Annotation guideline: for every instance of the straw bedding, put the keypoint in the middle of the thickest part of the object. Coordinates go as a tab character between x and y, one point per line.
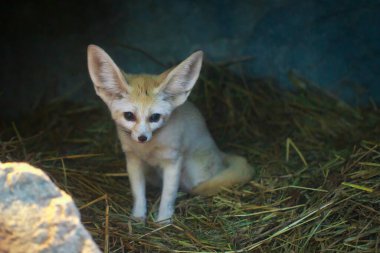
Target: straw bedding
316	159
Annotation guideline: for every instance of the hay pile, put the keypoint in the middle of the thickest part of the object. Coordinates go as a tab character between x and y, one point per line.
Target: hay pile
317	162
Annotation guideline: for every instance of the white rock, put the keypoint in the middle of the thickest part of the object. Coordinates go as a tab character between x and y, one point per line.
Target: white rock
36	216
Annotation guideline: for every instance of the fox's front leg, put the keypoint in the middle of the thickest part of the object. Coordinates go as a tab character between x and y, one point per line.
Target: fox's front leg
171	177
135	168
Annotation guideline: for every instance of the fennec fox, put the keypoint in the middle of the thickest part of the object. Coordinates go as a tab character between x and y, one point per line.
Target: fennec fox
165	138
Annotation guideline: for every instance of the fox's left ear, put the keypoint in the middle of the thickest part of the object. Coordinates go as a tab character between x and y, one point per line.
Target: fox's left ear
179	81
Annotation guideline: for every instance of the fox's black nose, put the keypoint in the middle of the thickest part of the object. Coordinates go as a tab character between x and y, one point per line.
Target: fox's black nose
142	138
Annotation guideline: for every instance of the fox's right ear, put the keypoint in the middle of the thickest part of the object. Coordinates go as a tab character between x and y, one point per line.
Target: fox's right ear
108	80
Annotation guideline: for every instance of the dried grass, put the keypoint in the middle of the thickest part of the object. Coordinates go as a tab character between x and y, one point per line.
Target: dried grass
316	160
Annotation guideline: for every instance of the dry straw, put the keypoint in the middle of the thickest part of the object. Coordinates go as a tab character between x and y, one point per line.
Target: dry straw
316	161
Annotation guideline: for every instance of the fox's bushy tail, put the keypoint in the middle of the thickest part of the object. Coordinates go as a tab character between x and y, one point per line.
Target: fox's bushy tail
238	171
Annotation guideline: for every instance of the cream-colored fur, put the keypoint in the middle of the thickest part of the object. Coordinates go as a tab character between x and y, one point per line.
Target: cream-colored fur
177	150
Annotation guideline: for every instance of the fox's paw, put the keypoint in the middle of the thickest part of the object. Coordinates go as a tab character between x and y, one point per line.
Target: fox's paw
140	219
164	218
139	213
163	222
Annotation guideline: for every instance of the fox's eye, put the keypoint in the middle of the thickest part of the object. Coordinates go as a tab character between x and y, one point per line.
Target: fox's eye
129	116
154	117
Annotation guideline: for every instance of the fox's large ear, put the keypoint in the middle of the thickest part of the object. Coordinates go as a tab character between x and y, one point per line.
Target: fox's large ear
179	81
108	80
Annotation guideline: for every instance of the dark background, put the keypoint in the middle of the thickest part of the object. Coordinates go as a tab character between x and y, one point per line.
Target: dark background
333	44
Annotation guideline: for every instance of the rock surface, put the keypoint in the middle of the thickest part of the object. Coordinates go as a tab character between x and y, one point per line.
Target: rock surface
36	216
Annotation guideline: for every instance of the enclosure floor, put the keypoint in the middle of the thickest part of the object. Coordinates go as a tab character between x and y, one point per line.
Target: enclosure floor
316	159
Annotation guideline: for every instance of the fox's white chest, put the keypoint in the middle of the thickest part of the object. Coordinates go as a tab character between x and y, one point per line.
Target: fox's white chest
151	156
154	155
